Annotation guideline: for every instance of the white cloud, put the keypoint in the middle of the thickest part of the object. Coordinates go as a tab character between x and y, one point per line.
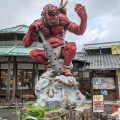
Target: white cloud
103	17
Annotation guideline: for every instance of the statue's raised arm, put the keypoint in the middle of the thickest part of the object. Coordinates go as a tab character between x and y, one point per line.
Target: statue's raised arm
79	29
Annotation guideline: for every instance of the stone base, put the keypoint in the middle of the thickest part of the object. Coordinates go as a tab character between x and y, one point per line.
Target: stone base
60	88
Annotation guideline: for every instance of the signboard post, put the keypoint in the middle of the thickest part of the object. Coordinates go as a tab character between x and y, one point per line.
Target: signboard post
118	86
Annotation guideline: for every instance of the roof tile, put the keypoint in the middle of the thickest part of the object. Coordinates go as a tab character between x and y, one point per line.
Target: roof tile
103	61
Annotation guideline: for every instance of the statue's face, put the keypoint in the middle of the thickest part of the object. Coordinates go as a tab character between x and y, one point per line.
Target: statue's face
52	16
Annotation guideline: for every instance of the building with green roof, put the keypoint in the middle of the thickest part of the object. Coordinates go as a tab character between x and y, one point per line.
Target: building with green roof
17	70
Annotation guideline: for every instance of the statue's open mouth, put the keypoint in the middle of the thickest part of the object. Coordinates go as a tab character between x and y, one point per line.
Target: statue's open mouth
54	23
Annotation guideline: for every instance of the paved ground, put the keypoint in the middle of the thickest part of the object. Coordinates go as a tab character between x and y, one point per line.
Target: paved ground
8	113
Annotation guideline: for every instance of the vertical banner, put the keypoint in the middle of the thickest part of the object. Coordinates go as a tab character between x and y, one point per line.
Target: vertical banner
118	72
119	86
98	103
115	49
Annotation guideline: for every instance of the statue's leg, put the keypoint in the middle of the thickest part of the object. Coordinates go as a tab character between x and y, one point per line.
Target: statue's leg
39	56
68	53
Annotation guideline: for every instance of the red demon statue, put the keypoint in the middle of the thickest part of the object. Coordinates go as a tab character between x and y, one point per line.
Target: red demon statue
54	24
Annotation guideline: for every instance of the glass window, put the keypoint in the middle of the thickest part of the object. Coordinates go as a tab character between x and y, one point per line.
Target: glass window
25	66
2	39
9	40
2	43
24	79
5	65
34	44
7	43
19	43
3	79
20	36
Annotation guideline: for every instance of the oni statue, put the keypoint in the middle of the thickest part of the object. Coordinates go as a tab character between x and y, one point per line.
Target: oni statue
53	24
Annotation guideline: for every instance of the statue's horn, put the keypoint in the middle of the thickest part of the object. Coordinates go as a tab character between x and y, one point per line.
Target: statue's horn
49	9
62	6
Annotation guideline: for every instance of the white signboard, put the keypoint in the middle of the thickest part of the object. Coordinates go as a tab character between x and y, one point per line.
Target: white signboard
103	83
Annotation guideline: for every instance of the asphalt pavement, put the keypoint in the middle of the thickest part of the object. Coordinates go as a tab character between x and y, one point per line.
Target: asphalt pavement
8	113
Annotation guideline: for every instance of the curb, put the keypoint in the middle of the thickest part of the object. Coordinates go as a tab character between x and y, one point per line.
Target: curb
2	107
3	118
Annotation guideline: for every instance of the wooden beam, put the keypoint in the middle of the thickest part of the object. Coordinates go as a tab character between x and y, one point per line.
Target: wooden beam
15	39
0	76
117	86
91	92
8	80
37	67
14	78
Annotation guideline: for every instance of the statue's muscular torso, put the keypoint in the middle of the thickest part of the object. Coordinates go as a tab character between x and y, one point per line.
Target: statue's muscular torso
55	35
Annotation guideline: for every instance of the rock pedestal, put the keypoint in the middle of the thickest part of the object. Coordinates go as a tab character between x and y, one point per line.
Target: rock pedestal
58	88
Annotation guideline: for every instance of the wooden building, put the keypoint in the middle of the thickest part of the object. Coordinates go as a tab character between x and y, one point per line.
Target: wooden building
18	72
101	76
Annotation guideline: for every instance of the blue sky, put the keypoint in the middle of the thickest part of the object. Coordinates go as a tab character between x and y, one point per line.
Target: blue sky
103	17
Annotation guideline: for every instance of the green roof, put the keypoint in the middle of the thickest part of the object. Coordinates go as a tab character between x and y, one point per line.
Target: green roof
15	50
16	29
22	51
